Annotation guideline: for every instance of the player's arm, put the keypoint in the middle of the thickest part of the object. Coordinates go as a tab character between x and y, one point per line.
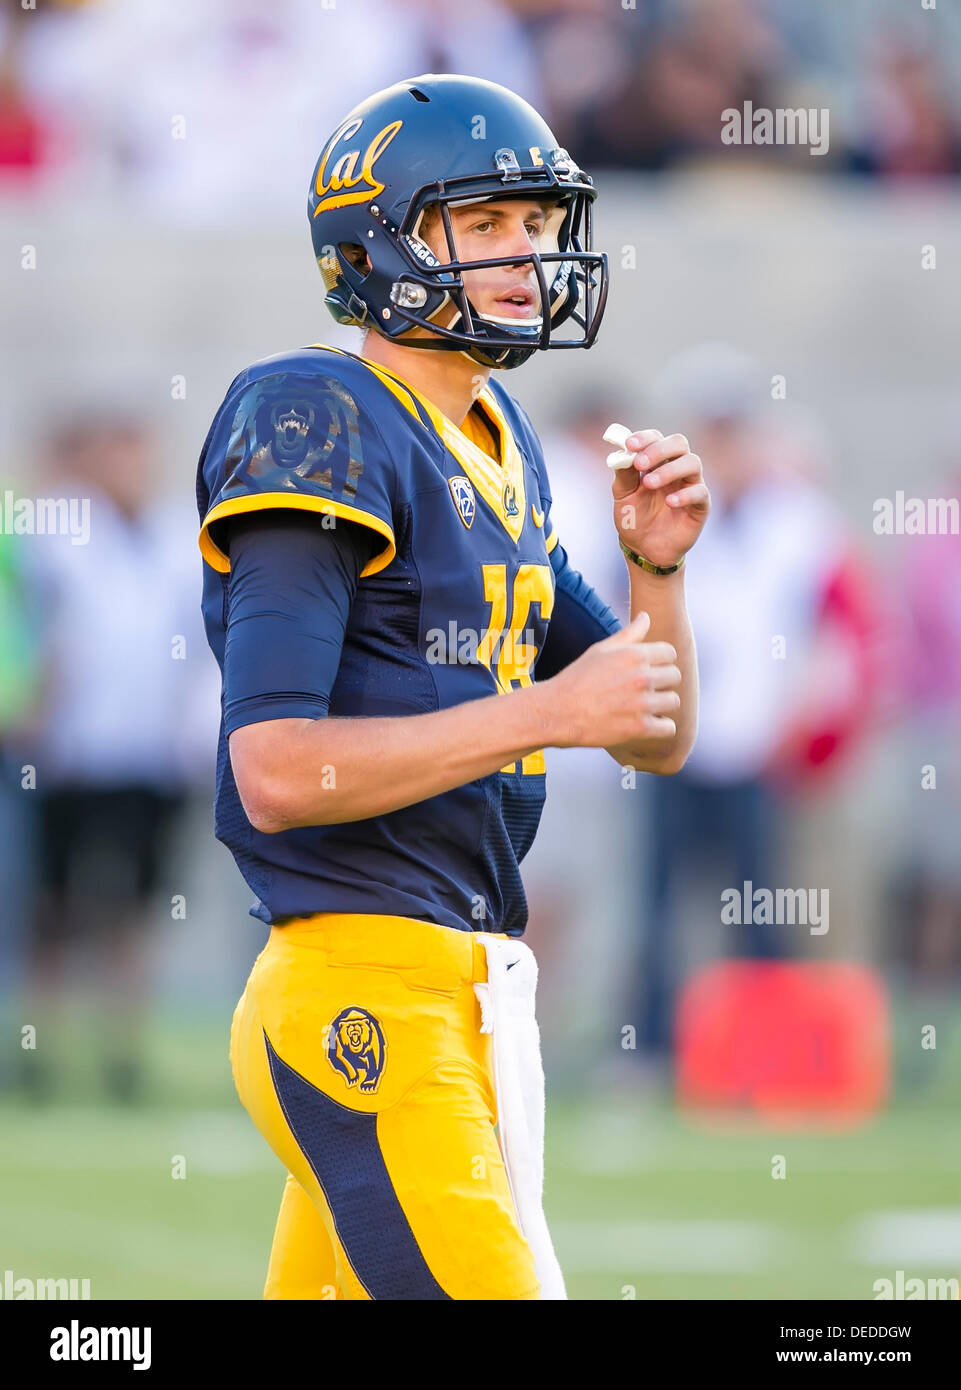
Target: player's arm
661	503
581	618
291	586
662	598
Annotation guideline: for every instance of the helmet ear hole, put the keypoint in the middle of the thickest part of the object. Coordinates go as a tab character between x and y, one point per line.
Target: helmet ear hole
357	256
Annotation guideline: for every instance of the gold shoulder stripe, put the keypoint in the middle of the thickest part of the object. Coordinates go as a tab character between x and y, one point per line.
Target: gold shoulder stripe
394	384
449	433
293	501
552	540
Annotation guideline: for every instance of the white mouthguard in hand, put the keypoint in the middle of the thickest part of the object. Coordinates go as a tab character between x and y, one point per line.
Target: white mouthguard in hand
621	458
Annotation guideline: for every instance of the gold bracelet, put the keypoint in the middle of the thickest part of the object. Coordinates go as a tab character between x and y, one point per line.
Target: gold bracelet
646	565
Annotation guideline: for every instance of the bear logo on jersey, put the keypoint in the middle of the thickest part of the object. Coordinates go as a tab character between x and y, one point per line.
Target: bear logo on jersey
291	423
464	499
356	1048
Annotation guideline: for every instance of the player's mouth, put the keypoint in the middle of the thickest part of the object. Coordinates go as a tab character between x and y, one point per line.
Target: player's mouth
517	302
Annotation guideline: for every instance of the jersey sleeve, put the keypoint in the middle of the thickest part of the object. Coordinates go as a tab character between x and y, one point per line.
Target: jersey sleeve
290	590
580	618
298	441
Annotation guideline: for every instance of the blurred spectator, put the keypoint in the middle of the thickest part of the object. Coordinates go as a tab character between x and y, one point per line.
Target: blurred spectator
666	105
116	733
225	108
483	39
18	690
909	123
784	632
25	138
927	864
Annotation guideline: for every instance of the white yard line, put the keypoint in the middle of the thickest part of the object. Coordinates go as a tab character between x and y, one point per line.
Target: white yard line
928	1237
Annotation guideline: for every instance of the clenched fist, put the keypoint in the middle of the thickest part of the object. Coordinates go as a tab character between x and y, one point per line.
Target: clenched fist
621	691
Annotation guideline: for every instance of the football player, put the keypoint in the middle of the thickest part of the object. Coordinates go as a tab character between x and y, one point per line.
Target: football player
400	635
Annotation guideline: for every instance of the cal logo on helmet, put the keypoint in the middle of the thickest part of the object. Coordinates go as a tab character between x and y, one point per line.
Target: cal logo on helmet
356	1048
464	499
344	174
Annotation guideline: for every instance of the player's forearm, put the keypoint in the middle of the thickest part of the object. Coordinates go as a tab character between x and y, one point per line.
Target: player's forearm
662	596
303	772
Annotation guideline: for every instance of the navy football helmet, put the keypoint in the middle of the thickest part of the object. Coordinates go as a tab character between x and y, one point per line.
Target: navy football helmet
442	140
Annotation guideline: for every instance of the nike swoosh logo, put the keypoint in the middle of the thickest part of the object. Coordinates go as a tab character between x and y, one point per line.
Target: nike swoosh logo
536	516
513	963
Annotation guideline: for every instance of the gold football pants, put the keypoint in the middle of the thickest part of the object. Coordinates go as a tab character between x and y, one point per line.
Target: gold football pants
356	1050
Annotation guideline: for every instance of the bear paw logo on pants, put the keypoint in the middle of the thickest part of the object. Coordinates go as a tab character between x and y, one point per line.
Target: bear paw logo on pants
356	1048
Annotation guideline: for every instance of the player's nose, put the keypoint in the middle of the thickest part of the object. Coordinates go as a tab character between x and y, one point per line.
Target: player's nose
518	243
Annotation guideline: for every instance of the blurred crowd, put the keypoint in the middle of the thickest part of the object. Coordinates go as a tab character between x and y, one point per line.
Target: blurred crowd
108	723
189	108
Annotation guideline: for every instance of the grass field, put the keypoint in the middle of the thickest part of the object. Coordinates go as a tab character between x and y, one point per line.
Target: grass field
641	1202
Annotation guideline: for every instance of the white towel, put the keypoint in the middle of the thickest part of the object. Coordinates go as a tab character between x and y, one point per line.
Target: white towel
507	1012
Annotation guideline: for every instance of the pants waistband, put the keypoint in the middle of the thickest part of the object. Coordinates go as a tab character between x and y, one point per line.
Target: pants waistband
399	943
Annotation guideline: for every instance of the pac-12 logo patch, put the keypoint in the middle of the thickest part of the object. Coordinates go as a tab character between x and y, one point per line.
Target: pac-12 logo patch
356	1048
464	499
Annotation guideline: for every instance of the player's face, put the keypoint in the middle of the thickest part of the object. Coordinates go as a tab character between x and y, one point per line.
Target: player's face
488	231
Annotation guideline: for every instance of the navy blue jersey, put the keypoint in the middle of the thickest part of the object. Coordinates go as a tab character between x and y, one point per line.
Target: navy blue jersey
452	605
